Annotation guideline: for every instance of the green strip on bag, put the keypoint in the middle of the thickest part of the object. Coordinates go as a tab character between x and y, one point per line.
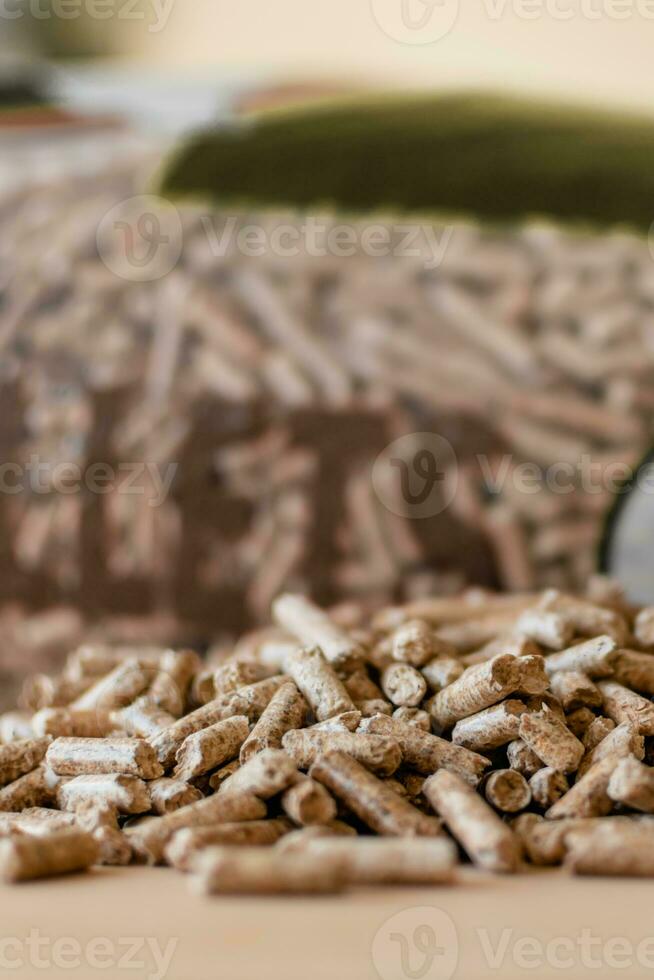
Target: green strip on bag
490	157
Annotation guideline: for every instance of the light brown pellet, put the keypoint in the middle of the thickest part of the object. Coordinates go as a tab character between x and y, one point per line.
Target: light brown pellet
575	690
587	618
387	861
368	798
548	629
41	691
167	742
308	802
202	687
588	797
172	680
185	845
516	644
507	790
127	793
488	841
318	683
349	721
313	628
262	871
413	643
413	716
442	671
481	686
621	704
635	670
379	753
579	722
222	775
611	850
552	742
547	786
621	741
403	685
490	728
119	688
72	722
142	718
18	758
233	675
632	783
598	729
40	821
35	788
368	709
545	841
91	814
26	858
150	837
426	753
287	709
114	848
595	657
297	839
252	699
522	758
267	773
644	627
211	747
168	795
82	756
16	725
361	687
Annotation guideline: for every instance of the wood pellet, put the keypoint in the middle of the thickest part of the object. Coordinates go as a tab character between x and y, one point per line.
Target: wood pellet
365	751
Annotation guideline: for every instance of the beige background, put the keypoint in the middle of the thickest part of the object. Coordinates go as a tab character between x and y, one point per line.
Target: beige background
344	937
605	59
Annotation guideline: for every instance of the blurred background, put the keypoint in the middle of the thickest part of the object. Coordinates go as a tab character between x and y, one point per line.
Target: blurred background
254	394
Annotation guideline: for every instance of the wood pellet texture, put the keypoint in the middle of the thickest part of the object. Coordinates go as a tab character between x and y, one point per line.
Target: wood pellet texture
355	749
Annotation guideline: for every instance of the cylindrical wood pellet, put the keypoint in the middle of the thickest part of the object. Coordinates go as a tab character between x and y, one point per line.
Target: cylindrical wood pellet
287	709
318	682
211	747
488	841
308	802
186	844
25	858
379	753
82	756
507	790
262	871
150	837
378	806
552	742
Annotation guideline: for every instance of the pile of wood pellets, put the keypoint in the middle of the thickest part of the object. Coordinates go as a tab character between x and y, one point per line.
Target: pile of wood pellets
340	748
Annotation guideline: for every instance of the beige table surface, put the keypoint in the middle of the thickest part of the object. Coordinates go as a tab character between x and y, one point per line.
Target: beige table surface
542	924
